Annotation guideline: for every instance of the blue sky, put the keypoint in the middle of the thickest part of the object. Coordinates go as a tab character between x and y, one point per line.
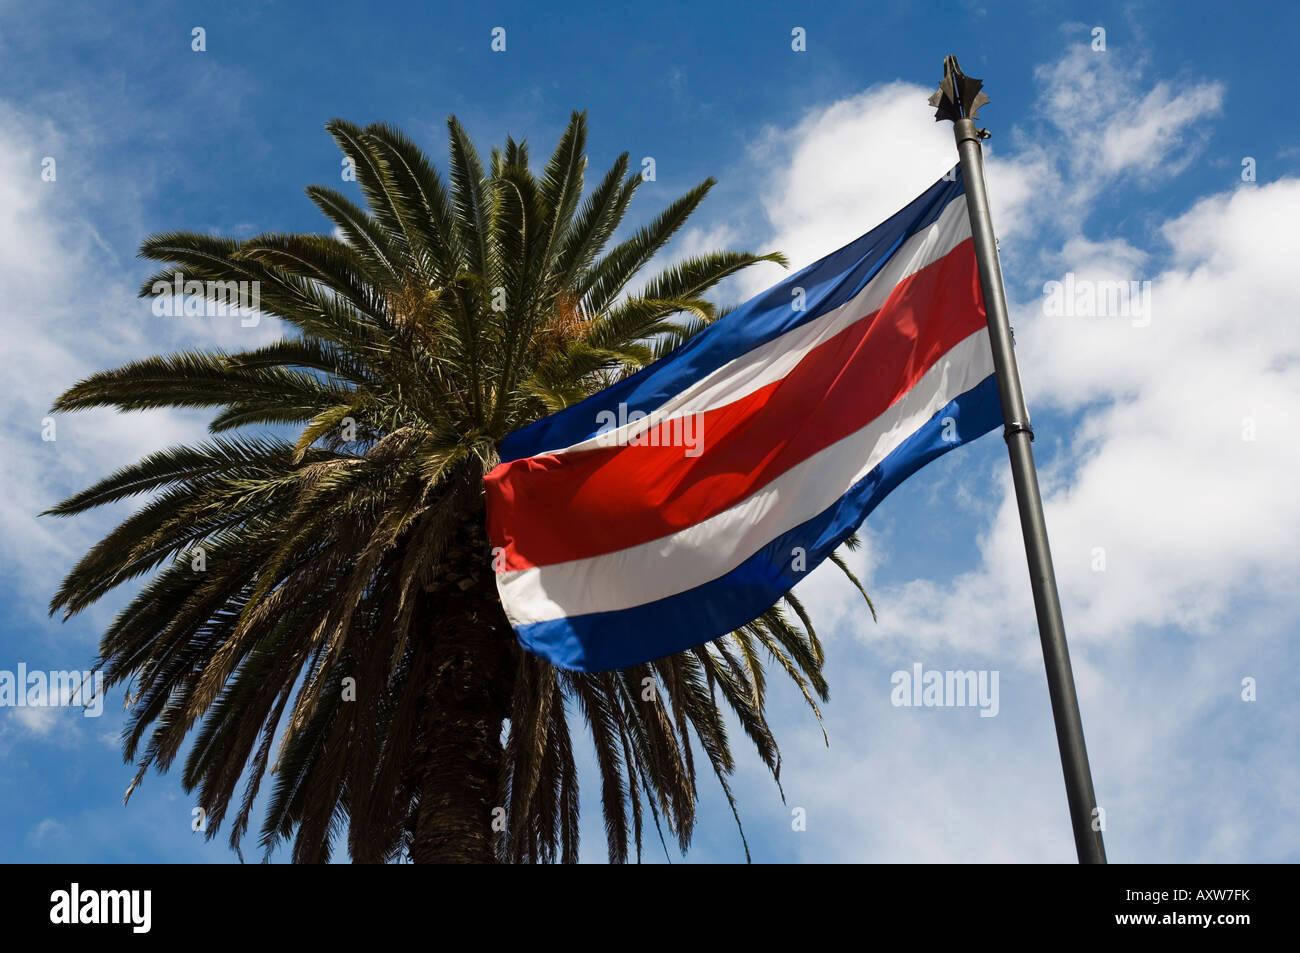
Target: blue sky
1168	445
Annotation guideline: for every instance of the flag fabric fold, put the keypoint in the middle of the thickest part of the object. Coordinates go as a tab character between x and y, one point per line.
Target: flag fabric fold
680	503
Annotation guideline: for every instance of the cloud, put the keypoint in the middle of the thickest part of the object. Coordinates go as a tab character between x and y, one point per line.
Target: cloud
1167	500
1165	458
1098	122
1184	438
1146	457
72	310
1111	124
47	829
37	721
828	180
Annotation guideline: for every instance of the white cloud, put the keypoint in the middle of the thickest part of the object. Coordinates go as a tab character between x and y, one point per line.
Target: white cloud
1148	457
36	721
1112	124
829	179
1147	461
1182	464
72	310
45	830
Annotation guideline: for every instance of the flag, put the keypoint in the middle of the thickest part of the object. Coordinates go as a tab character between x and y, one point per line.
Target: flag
683	501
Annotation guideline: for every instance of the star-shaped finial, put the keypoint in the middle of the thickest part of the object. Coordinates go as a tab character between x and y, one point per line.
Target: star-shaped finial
959	95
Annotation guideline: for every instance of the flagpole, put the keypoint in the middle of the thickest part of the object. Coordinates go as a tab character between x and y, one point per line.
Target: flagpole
959	99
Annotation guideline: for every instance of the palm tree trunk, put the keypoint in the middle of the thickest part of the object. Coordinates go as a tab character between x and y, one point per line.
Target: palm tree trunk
470	677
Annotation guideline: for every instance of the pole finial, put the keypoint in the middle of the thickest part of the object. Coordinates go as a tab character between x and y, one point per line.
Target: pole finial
959	96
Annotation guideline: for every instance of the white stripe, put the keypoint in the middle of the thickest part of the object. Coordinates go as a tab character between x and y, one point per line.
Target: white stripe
772	361
712	548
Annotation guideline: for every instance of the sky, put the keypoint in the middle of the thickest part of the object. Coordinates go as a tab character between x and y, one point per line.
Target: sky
1147	152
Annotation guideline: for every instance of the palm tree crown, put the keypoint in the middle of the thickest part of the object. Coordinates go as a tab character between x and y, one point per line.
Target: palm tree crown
320	585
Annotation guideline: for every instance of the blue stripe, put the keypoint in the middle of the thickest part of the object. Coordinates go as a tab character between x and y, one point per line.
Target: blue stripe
827	284
608	640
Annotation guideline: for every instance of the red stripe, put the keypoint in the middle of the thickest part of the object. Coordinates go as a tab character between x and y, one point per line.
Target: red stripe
549	509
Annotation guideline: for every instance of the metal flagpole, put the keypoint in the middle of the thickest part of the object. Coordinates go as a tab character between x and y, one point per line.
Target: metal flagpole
959	98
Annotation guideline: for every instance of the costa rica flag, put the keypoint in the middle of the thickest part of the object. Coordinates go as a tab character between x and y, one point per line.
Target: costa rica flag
683	501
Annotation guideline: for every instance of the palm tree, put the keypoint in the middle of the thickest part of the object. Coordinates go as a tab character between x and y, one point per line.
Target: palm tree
320	572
